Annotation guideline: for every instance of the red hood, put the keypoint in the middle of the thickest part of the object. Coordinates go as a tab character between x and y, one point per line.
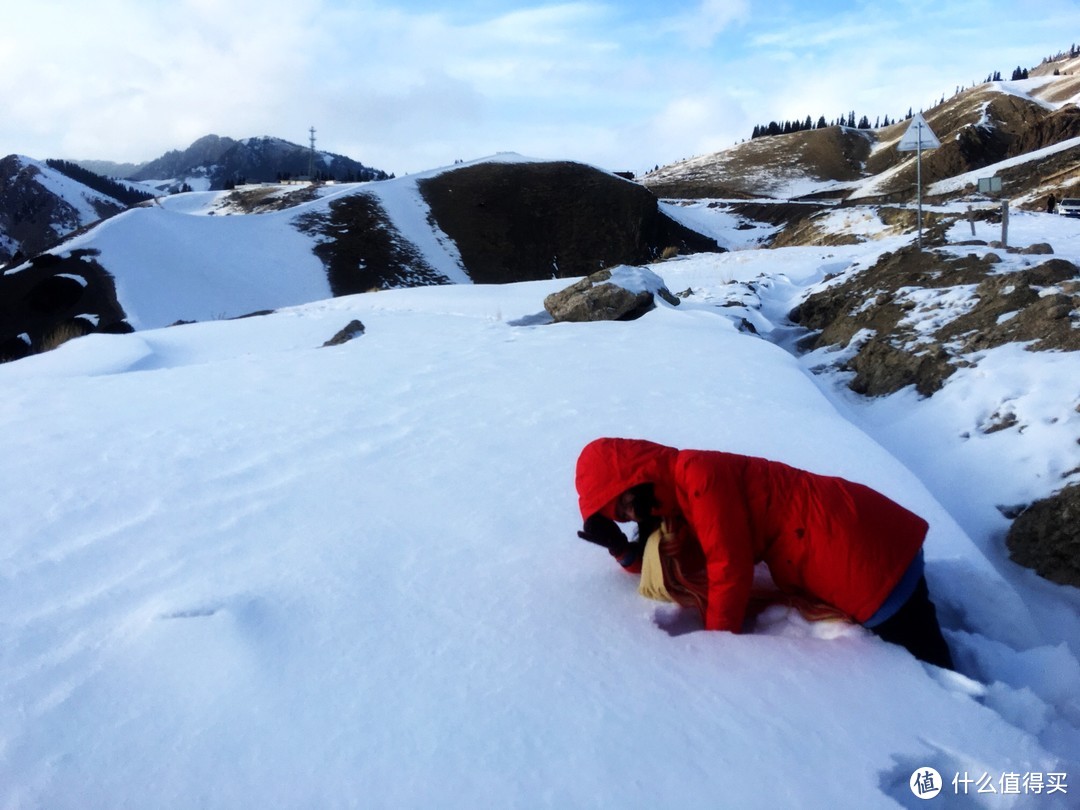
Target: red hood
607	468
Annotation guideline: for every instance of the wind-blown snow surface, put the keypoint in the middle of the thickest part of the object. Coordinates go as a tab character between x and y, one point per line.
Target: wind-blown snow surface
243	570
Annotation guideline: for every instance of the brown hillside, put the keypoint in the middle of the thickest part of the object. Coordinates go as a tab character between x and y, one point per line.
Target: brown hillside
751	169
529	221
978	127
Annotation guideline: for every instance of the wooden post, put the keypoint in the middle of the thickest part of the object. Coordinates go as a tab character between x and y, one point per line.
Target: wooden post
1005	223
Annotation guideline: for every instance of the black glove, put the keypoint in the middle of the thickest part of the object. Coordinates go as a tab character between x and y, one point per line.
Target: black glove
604	532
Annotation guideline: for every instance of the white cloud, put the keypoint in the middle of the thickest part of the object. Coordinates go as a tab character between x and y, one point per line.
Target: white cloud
710	19
405	86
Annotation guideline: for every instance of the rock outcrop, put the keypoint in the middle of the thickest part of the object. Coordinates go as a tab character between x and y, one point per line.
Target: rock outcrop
1046	537
624	294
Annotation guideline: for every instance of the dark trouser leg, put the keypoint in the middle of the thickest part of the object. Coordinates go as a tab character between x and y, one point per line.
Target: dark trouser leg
915	626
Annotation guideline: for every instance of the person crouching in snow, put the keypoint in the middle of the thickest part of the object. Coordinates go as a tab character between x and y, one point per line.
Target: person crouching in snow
706	518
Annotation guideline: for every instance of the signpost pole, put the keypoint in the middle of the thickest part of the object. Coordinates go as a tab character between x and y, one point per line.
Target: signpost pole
918	179
913	140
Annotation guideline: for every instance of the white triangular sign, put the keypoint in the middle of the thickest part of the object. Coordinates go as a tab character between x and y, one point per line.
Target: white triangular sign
918	131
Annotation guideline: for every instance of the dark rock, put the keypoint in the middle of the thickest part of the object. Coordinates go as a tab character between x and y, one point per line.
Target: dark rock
54	297
13	348
351	330
602	297
588	300
54	294
1046	537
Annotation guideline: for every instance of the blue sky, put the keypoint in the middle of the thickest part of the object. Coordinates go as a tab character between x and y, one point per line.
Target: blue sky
408	86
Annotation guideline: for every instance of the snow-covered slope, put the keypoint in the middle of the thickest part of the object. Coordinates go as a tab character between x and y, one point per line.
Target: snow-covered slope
242	569
171	262
39	205
203	255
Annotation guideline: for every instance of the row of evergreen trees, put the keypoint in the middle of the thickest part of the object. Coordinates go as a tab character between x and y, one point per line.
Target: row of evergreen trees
1018	74
848	120
1023	73
787	127
110	188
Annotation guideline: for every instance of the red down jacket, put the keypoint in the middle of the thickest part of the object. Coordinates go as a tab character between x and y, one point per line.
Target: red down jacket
823	537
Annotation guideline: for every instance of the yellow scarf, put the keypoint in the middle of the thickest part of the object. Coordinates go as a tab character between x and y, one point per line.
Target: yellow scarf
652	574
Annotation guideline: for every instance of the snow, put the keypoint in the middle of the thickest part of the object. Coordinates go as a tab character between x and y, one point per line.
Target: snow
1028	89
730	231
253	263
240	569
406	207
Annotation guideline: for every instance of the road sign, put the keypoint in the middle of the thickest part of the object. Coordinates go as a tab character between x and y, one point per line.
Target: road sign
918	136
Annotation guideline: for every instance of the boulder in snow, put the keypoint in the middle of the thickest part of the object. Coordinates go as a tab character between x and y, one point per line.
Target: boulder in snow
620	294
1046	537
353	328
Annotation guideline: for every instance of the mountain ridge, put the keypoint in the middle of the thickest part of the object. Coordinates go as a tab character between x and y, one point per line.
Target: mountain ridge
213	163
978	127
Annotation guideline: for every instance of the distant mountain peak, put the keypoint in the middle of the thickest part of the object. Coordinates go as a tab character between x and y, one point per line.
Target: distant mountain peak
220	162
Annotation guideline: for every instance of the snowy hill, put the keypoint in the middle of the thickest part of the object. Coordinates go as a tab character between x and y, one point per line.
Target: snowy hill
1029	126
206	255
244	569
40	205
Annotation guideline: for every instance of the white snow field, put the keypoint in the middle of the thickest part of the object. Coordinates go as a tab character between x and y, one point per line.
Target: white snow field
239	569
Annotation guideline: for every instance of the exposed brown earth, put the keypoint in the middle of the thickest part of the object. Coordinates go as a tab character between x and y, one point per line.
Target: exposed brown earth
1037	306
531	221
362	251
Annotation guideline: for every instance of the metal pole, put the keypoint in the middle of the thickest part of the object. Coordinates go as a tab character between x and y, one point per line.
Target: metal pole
918	179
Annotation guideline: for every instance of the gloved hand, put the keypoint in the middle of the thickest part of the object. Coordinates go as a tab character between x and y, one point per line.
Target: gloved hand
604	532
